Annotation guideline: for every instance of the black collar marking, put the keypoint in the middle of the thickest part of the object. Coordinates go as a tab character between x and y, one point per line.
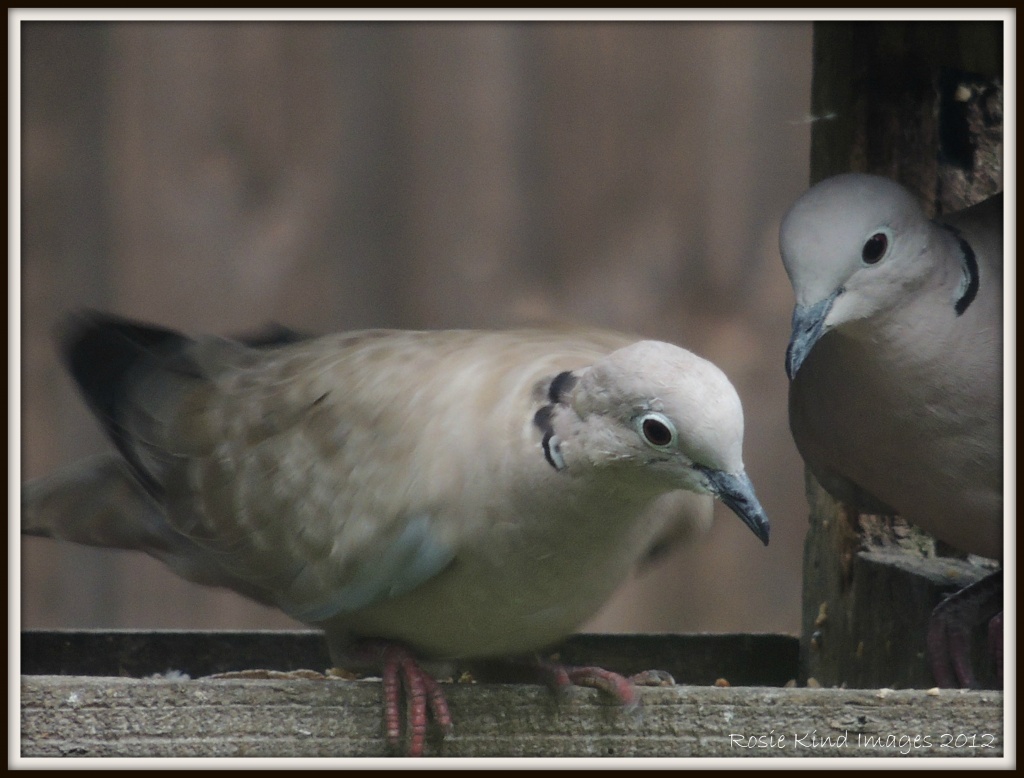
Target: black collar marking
970	269
560	386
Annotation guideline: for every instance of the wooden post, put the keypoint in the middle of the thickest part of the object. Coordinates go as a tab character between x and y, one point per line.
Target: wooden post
920	103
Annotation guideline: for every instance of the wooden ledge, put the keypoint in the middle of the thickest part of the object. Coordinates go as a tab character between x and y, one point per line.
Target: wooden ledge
72	705
74	716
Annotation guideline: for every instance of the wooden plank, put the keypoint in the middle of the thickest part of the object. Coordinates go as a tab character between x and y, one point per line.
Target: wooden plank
77	715
118	717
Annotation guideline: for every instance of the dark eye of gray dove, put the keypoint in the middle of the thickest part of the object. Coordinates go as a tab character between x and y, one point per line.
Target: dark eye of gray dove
875	248
656	430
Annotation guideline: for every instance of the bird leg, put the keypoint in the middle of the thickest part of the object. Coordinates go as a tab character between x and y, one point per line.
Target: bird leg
951	625
421	692
400	671
424	698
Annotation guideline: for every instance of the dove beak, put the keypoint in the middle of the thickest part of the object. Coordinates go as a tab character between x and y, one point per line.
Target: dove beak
737	492
808	327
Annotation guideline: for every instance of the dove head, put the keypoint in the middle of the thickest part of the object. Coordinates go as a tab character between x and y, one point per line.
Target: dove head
663	419
853	246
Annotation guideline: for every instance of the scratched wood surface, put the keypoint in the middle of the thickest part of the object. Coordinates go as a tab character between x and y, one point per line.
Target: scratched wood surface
76	716
129	694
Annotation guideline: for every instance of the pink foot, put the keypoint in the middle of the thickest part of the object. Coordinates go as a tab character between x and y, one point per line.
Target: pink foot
618	687
400	671
951	625
995	645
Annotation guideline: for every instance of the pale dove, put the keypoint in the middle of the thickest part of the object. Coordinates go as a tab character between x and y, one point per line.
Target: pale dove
418	495
895	361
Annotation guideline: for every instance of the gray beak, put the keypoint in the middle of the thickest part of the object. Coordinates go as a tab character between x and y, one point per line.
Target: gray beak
808	326
737	492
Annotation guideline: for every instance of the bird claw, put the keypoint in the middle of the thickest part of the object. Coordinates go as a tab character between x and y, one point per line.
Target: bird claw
653	678
621	689
617	687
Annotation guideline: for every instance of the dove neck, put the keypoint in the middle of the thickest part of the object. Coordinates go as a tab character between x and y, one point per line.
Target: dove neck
969	281
913	338
918	324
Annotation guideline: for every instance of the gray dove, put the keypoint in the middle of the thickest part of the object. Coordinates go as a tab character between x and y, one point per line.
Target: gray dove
896	368
417	495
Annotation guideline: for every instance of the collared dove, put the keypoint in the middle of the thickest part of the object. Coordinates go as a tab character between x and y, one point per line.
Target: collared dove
895	361
418	495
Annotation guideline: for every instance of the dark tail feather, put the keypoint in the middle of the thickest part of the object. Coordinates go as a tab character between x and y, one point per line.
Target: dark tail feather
101	350
104	353
273	335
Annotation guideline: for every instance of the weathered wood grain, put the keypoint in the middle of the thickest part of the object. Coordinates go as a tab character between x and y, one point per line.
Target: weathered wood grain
107	717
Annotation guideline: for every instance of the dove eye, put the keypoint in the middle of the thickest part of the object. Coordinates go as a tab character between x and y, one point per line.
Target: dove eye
875	248
657	430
